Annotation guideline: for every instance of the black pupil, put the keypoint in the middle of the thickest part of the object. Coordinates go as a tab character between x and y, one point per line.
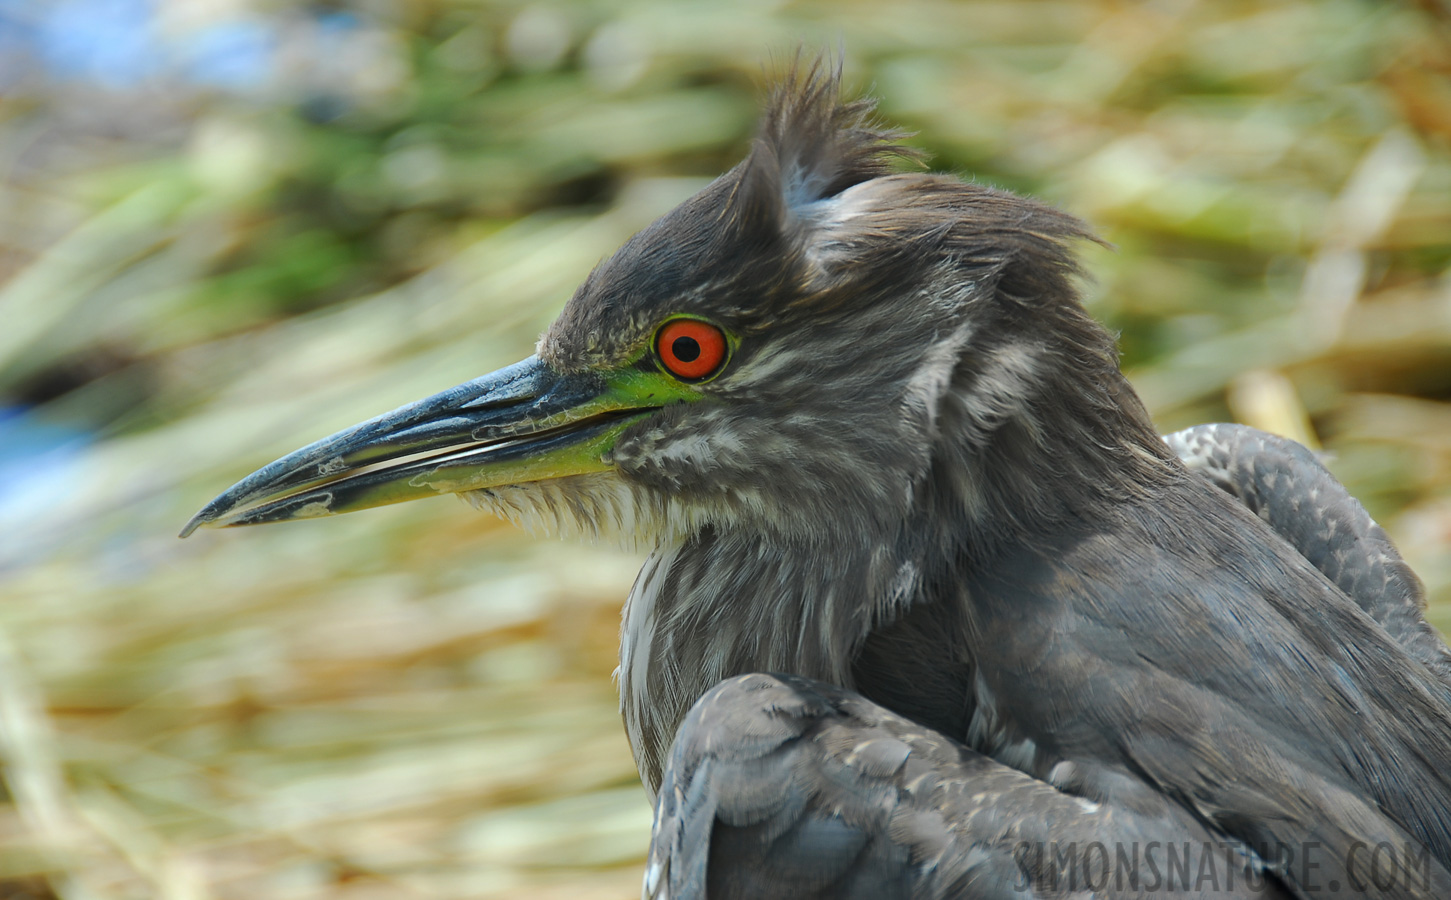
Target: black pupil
686	349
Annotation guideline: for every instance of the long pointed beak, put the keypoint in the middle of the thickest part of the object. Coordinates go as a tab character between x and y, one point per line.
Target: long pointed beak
522	423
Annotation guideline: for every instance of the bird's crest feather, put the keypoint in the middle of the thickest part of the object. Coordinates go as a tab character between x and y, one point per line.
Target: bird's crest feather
813	145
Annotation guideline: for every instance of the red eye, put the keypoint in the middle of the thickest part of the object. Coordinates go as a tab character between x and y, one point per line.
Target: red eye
690	349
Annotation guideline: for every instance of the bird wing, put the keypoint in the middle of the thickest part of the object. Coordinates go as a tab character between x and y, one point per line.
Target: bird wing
780	786
1193	645
1284	484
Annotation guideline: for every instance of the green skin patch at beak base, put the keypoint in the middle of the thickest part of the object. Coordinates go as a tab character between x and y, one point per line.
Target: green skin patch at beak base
522	424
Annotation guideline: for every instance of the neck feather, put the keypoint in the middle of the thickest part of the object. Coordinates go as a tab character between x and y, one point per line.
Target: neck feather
1027	440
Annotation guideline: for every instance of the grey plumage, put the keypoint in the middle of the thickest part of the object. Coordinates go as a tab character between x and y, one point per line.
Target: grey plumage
763	761
1034	574
918	483
779	786
1285	485
923	317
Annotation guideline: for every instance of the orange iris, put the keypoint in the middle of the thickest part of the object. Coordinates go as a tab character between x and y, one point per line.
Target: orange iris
690	348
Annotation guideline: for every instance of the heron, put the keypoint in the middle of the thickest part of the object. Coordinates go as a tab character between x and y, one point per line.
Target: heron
925	590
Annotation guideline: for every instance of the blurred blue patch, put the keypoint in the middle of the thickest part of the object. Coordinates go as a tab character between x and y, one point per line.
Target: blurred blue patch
38	462
118	45
17	37
236	56
110	42
338	22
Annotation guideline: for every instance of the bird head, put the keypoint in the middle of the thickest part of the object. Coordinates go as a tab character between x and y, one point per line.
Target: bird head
786	351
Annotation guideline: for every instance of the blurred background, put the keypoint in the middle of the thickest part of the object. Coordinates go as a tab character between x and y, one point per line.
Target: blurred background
229	227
